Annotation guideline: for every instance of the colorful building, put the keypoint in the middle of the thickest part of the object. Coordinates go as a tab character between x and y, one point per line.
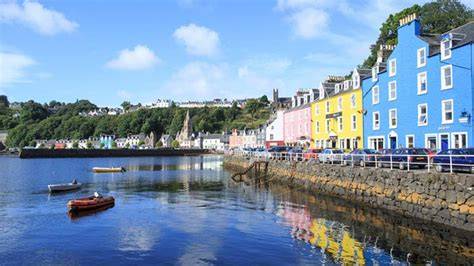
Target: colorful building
297	125
274	130
420	93
336	117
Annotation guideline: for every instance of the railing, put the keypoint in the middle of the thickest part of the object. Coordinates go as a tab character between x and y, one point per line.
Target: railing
440	163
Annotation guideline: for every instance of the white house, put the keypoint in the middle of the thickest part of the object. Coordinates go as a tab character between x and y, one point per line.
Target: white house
274	132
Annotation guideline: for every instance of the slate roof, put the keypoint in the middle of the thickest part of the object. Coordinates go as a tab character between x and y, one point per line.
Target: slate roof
462	35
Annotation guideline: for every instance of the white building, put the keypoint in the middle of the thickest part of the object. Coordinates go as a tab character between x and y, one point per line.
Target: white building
274	132
166	140
160	103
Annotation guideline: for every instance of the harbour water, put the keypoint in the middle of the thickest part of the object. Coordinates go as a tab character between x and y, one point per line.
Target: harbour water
186	210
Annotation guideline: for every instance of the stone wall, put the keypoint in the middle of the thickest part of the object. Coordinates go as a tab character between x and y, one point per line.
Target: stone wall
439	197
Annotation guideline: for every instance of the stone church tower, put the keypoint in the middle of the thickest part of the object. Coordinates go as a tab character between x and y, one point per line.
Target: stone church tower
184	136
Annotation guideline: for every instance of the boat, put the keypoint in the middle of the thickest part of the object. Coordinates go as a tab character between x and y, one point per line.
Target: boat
108	169
95	201
64	187
79	214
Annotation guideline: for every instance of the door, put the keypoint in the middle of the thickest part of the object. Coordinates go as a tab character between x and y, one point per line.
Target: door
393	143
444	139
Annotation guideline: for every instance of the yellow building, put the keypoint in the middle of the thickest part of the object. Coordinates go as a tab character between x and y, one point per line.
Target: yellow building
336	118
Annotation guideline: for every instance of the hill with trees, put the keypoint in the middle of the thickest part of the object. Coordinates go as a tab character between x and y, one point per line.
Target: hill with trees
59	120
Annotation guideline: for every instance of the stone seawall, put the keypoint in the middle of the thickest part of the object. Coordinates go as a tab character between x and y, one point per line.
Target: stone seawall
438	197
72	153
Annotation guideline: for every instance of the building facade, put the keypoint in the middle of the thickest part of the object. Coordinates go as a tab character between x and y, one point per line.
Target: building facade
274	130
337	115
421	95
297	126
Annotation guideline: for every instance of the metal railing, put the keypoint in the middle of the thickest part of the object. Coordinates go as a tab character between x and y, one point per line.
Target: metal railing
429	162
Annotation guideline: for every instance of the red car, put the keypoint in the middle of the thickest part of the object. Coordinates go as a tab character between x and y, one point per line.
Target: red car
312	154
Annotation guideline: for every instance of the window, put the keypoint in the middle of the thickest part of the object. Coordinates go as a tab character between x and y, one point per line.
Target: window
271	136
421	57
327	125
340	124
392	67
339	104
422	83
410	141
355	81
354	122
327	107
316	109
447	111
422	114
375	95
392	114
446	77
353	100
317	127
374	73
445	49
338	88
459	140
375	120
392	90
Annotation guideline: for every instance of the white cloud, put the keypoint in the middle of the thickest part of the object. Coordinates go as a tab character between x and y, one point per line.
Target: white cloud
138	58
198	80
309	22
37	17
13	68
198	40
263	72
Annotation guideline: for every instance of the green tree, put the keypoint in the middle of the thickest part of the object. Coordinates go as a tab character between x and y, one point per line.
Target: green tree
89	145
101	145
32	143
32	112
126	105
114	145
175	144
264	100
75	145
252	107
141	143
159	144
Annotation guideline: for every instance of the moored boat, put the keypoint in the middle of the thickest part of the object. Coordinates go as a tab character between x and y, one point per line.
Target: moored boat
108	169
64	187
93	202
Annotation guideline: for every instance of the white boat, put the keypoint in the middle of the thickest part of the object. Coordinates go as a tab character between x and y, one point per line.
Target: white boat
64	187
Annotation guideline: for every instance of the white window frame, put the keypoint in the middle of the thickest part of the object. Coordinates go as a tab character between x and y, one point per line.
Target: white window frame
316	109
374	73
453	143
328	107
406	141
328	125
390	90
354	122
418	57
390	118
443	48
443	112
353	100
418	116
317	127
392	69
376	126
369	141
375	88
418	81
339	103
356	81
431	135
443	78
340	123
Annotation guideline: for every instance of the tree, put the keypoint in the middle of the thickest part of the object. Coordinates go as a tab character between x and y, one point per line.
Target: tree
101	145
32	143
114	145
75	145
126	105
175	144
264	100
159	144
32	112
89	145
252	106
141	143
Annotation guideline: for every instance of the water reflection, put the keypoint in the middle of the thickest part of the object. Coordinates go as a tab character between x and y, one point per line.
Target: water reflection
202	165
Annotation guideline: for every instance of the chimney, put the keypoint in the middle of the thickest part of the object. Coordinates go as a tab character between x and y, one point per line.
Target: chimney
384	52
409	27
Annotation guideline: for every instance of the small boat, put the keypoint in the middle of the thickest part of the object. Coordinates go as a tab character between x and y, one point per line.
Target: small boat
93	202
64	187
79	214
108	169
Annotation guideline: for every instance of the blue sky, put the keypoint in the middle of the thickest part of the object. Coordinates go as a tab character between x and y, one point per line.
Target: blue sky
181	49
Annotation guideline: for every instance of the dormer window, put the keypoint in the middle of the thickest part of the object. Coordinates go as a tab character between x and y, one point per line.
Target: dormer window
374	73
355	81
347	84
392	67
446	49
337	88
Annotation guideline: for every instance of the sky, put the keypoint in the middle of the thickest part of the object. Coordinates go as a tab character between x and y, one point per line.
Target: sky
144	50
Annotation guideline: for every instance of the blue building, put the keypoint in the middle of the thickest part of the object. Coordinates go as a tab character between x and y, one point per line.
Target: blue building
420	93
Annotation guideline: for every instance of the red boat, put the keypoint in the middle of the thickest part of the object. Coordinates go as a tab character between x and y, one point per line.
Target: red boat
90	203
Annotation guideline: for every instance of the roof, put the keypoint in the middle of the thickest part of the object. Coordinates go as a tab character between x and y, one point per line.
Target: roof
462	35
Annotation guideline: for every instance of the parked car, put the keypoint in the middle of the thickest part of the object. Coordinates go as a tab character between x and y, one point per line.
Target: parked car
278	152
295	153
361	157
331	155
461	160
312	154
416	158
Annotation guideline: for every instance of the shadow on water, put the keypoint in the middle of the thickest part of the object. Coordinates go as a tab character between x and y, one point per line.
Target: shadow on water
348	232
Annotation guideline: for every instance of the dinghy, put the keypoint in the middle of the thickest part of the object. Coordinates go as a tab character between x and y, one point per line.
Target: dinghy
64	187
108	169
93	202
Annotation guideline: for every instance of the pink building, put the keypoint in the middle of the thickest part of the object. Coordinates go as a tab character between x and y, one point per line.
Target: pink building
297	125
